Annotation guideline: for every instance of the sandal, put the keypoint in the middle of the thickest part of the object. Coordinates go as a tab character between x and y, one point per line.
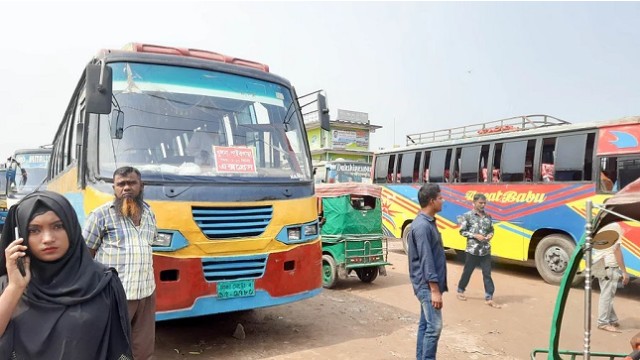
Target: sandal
493	304
609	327
461	297
615	324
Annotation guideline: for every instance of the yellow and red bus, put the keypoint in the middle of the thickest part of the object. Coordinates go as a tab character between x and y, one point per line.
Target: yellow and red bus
537	171
221	146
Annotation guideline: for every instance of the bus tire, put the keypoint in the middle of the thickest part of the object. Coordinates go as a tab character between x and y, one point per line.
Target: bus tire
368	274
329	272
405	238
552	257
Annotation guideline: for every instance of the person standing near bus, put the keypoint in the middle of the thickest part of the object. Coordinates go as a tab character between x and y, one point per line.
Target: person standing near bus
477	226
614	273
119	234
428	270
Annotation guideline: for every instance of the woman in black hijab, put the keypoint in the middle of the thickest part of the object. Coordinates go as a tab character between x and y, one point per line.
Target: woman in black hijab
66	306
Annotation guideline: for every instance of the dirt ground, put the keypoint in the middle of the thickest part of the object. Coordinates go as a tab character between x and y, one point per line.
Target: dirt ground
379	321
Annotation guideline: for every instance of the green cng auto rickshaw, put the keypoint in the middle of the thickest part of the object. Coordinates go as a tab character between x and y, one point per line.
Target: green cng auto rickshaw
622	207
351	230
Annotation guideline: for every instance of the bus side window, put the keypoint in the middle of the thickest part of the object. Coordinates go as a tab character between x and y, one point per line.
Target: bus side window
427	157
628	171
513	160
416	168
439	165
381	169
456	165
408	171
608	174
470	163
391	169
569	159
528	163
397	175
547	165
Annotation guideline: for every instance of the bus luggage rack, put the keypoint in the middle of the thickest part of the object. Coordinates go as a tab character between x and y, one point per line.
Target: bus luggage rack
518	123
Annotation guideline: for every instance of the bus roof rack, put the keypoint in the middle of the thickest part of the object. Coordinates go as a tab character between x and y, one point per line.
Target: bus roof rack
196	53
518	123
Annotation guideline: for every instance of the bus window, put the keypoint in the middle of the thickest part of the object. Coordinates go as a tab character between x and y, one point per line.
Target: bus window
608	179
484	161
456	165
396	173
528	162
439	166
512	161
409	169
391	169
547	163
416	168
497	155
470	163
628	171
588	157
569	160
427	157
447	165
380	174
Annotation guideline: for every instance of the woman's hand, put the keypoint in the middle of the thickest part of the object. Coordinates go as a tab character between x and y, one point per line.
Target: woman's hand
12	253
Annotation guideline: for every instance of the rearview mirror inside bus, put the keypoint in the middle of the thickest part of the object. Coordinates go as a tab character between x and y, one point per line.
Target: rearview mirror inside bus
99	89
117	124
323	113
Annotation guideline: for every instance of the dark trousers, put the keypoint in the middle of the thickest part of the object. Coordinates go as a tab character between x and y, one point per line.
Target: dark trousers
470	263
142	315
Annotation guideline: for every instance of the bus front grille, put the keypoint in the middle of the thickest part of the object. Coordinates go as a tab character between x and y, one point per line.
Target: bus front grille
234	268
232	222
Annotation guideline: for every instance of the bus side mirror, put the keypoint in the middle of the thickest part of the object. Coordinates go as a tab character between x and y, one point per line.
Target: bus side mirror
323	113
117	124
99	83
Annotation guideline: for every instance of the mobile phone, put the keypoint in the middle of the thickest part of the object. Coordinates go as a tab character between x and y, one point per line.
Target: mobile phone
20	260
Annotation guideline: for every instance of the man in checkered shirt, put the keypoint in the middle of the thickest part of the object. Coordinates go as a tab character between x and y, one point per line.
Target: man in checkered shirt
119	234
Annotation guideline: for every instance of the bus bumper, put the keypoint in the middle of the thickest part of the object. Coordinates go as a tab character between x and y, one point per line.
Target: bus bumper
183	290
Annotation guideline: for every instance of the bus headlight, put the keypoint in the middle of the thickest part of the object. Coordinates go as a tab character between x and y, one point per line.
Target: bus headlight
311	229
163	240
293	233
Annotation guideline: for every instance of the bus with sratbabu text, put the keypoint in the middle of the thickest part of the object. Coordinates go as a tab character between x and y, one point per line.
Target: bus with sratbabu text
221	147
536	171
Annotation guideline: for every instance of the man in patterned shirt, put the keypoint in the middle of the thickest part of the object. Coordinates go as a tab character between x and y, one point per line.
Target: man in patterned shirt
476	225
119	234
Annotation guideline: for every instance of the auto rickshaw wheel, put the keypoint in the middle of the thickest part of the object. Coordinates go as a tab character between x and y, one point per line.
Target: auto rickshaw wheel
329	271
368	274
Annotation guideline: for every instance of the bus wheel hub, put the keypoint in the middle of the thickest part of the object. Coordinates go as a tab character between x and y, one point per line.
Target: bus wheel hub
556	258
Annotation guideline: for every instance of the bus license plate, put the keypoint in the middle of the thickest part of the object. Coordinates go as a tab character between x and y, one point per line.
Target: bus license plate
235	289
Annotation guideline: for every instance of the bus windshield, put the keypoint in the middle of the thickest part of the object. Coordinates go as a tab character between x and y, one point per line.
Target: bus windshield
343	172
30	170
186	124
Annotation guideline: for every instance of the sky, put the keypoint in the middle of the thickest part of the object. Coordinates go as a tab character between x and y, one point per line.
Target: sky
412	66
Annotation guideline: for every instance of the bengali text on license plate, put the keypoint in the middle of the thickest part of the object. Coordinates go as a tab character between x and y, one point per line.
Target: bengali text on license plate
235	289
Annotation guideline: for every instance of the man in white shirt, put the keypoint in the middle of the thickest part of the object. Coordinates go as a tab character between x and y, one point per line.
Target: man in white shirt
614	270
